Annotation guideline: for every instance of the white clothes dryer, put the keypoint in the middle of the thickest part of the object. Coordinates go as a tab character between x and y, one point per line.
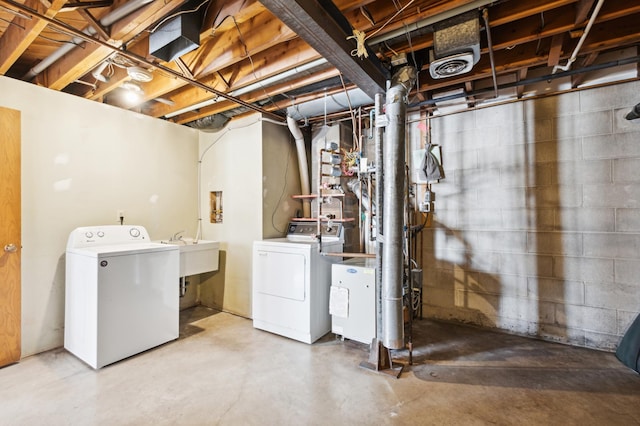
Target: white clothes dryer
291	281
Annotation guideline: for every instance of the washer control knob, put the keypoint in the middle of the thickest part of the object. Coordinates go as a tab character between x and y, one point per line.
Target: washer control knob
134	232
100	234
88	234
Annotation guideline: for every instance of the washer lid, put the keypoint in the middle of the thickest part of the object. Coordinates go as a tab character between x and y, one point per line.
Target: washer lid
123	249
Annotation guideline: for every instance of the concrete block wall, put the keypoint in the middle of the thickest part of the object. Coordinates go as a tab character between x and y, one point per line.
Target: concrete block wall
537	224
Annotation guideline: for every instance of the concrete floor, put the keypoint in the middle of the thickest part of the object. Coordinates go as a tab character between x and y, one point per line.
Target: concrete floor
222	371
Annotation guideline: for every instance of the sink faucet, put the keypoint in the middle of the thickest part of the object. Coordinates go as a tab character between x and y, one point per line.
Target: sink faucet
175	236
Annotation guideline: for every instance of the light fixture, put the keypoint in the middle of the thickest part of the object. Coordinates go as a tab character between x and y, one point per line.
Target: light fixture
133	91
139	74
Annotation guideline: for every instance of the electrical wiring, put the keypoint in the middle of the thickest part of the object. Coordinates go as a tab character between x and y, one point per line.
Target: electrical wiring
353	116
248	55
365	12
390	19
361	38
182	12
284	188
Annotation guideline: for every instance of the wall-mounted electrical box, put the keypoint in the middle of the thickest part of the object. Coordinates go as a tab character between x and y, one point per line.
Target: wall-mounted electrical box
215	206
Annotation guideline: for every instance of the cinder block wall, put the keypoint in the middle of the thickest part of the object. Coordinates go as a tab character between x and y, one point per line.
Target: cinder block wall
537	225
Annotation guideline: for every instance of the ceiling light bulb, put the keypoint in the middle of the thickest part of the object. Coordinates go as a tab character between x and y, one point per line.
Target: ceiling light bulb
131	97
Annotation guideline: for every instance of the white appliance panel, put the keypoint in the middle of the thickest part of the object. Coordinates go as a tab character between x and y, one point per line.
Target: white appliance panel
357	320
121	298
270	266
139	309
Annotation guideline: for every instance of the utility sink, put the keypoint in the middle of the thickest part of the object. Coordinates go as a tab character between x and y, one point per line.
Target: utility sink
196	257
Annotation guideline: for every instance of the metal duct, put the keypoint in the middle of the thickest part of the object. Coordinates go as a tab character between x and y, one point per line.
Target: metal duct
354	186
393	187
456	46
379	131
302	164
176	37
212	123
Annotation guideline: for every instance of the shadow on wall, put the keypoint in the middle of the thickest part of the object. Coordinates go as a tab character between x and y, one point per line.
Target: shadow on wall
212	284
496	256
544	198
453	289
51	333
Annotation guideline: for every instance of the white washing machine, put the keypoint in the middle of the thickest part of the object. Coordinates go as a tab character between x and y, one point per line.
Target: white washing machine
122	293
291	281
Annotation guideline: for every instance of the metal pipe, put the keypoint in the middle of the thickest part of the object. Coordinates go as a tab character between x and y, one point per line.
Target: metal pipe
485	16
394	184
113	16
379	130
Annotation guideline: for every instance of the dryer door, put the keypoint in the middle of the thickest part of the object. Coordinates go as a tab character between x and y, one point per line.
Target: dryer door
280	274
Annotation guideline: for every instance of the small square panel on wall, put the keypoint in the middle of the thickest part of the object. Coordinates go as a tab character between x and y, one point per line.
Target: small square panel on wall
215	206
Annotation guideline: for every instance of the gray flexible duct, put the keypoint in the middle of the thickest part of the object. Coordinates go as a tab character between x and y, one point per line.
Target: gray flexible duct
302	164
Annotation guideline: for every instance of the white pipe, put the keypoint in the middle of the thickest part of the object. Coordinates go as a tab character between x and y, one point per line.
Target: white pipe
107	20
574	55
302	164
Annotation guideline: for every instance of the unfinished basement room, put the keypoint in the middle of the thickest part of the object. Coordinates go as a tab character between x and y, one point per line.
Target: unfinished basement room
319	212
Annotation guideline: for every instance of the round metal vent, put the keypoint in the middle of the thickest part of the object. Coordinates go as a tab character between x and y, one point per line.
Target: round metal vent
139	74
451	65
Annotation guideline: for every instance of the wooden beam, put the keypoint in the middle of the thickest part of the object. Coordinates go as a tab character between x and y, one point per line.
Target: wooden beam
280	59
19	36
76	63
555	50
578	79
468	87
215	109
219	12
520	76
582	11
252	36
92	21
78	5
254	96
508	12
184	68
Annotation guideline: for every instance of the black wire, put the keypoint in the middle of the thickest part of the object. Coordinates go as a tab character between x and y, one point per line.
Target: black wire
284	188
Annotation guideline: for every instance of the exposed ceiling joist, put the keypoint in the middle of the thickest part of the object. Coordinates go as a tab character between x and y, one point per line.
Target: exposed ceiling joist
326	30
110	47
23	32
